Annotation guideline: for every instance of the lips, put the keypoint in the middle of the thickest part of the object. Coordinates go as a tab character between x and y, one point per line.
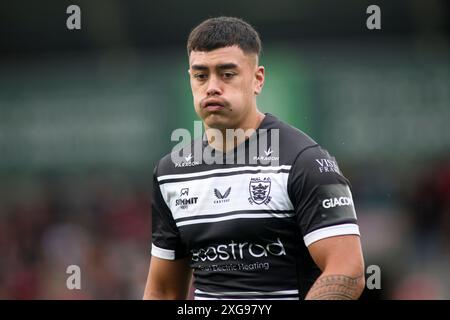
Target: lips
213	104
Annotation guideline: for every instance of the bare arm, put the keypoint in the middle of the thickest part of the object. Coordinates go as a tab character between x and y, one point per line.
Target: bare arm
341	261
168	279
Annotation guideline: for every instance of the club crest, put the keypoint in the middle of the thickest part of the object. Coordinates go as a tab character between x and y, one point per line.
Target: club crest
259	191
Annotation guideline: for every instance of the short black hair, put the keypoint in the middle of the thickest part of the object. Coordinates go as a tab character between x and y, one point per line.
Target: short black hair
221	32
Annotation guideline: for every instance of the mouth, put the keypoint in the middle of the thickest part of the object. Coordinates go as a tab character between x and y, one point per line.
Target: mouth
213	105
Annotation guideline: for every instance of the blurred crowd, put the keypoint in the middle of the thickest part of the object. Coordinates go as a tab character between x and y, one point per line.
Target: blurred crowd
404	216
101	223
428	262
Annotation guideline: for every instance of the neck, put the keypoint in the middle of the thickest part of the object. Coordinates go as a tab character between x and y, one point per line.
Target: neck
217	138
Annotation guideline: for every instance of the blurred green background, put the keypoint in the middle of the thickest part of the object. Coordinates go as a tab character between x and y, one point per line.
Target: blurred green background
85	115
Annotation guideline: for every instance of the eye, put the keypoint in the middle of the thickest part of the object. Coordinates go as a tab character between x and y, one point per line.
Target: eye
228	75
200	76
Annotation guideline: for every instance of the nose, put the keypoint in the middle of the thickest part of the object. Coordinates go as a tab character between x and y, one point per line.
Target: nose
213	87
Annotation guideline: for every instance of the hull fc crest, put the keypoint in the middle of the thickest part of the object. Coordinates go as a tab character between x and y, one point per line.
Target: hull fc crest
259	191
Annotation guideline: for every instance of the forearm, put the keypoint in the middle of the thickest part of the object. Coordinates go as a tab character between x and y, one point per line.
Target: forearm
164	295
168	280
167	290
336	287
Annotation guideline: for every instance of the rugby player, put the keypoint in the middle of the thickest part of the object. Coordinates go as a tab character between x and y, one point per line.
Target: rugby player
278	225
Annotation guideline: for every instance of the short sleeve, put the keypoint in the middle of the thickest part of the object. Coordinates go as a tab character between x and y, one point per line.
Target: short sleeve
166	242
321	196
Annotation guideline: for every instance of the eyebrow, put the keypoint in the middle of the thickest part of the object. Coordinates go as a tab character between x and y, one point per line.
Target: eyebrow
199	67
222	66
226	66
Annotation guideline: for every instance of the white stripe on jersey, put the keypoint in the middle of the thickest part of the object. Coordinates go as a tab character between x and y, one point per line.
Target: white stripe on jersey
236	216
163	253
238	199
202	298
338	230
247	295
225	170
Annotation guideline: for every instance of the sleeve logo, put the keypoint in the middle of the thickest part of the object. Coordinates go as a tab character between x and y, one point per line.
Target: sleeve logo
326	165
337	202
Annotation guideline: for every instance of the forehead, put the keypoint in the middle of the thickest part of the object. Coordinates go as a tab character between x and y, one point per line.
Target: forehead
212	58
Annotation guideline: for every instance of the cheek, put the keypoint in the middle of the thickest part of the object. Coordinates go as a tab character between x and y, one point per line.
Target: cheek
195	93
238	92
248	83
247	89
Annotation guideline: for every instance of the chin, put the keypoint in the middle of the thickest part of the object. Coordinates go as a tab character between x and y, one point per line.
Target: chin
217	121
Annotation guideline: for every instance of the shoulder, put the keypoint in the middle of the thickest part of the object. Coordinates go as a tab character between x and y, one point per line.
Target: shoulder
317	160
307	158
178	161
293	142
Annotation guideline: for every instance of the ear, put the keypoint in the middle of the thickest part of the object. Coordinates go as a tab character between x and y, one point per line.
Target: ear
259	79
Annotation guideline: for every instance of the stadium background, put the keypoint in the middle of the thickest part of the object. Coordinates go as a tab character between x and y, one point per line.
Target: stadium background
84	116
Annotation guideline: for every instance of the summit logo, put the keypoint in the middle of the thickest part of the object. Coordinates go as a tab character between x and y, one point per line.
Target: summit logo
183	201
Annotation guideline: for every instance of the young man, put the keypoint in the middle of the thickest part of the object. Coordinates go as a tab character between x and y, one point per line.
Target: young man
249	229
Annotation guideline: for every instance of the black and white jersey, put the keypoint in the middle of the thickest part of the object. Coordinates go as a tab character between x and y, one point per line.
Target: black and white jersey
246	226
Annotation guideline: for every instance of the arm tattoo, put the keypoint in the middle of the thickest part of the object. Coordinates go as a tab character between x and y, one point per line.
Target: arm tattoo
336	287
